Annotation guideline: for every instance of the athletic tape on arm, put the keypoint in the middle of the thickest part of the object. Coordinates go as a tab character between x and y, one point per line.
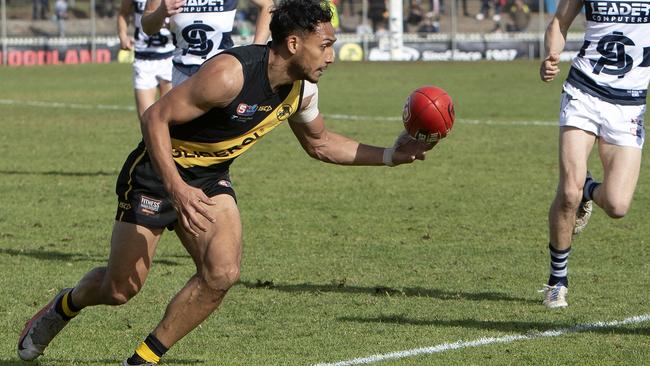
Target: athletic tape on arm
309	112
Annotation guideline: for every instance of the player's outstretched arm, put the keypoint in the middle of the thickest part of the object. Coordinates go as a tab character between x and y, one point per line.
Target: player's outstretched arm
331	147
216	84
126	10
156	11
555	37
320	143
262	31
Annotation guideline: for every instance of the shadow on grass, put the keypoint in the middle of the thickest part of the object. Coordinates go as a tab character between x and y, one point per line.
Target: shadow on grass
60	173
51	255
87	361
388	291
523	327
14	363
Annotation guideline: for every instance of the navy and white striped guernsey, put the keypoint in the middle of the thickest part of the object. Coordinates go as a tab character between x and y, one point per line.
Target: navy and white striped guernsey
155	47
614	61
202	30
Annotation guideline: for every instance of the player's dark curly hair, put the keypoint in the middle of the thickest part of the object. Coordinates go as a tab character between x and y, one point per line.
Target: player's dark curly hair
298	16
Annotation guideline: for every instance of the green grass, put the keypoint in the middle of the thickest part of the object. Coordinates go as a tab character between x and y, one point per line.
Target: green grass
339	262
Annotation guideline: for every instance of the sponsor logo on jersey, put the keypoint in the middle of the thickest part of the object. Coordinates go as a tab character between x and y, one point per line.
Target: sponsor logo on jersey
178	152
149	206
124	205
208	6
637	127
265	108
246	110
139	6
618	11
224	183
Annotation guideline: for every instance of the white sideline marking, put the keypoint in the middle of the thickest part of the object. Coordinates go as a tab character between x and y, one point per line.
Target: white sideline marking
486	341
35	103
344	117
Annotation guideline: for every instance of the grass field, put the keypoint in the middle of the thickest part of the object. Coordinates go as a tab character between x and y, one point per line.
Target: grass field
340	263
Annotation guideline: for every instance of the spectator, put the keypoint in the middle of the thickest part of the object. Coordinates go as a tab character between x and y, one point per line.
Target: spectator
377	13
336	23
430	24
415	14
61	13
485	9
341	5
435	6
40	8
463	3
520	16
242	26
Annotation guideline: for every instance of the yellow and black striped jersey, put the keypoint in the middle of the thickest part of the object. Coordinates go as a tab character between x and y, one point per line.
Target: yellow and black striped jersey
215	138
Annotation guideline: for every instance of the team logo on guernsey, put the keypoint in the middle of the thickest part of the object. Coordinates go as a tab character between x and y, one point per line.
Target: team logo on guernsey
149	206
284	111
618	11
246	110
614	61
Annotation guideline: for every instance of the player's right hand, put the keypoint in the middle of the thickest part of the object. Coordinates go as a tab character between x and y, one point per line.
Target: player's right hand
171	7
407	149
126	44
190	204
549	68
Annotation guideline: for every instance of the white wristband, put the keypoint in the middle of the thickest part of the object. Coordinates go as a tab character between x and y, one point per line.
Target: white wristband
388	156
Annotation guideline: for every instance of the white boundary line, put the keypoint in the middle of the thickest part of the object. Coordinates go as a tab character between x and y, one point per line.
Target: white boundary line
344	117
487	341
35	103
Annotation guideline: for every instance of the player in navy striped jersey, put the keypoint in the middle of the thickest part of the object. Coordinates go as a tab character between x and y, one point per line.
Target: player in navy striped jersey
603	103
152	65
178	176
201	28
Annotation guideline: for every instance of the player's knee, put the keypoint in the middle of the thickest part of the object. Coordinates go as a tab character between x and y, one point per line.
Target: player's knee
615	209
221	279
569	198
119	294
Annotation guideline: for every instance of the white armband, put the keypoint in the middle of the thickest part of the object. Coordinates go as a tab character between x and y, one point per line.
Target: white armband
309	111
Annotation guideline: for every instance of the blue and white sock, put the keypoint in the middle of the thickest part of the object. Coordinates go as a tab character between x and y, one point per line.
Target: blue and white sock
588	189
559	261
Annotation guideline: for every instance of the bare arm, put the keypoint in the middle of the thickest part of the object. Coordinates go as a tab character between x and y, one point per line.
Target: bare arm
555	37
262	31
126	10
216	84
156	11
331	147
309	127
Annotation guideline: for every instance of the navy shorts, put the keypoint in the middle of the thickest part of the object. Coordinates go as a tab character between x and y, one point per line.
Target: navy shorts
142	198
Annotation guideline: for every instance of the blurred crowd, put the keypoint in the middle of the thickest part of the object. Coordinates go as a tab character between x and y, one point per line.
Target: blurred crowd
425	16
420	16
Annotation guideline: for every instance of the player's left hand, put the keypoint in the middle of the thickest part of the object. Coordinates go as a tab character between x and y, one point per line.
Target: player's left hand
407	149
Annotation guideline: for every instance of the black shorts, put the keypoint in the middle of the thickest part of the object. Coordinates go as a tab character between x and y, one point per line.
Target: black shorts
141	196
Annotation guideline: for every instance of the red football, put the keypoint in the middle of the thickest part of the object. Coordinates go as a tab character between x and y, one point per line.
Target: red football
428	114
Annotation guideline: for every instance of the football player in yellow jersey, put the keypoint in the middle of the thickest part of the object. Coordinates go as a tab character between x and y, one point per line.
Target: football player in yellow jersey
178	177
